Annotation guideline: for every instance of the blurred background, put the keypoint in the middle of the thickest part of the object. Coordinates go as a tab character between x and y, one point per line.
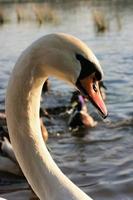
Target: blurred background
99	160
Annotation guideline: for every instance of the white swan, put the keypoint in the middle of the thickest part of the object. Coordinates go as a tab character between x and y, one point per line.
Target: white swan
67	58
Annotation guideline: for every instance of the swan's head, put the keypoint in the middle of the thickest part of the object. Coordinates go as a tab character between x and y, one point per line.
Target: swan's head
71	59
88	82
81	68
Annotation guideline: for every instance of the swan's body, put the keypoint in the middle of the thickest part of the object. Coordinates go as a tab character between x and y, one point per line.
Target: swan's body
57	55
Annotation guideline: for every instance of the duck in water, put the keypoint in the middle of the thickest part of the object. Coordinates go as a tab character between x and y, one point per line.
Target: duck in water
79	113
79	116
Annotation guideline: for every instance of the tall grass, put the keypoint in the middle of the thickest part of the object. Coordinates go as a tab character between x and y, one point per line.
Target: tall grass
19	14
41	13
2	17
45	13
100	21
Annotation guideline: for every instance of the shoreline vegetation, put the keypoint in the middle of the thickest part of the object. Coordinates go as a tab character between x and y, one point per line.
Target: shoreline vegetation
22	1
44	13
28	1
36	12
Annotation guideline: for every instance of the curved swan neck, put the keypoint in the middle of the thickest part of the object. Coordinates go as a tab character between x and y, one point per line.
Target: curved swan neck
22	110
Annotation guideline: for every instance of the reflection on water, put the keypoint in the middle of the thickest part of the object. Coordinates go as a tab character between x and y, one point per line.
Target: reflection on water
101	162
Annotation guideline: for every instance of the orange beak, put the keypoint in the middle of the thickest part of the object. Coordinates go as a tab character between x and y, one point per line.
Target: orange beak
90	87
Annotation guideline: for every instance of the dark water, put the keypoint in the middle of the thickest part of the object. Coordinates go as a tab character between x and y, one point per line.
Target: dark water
101	162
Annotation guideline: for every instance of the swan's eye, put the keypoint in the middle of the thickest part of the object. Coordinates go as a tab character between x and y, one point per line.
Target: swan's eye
95	87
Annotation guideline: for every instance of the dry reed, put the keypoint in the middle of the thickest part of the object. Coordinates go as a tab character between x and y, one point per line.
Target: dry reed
100	21
45	13
2	17
21	13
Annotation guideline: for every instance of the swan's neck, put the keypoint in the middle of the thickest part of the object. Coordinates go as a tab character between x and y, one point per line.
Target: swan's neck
22	109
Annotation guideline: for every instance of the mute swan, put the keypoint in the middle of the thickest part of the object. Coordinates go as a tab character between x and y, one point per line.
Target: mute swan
67	58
